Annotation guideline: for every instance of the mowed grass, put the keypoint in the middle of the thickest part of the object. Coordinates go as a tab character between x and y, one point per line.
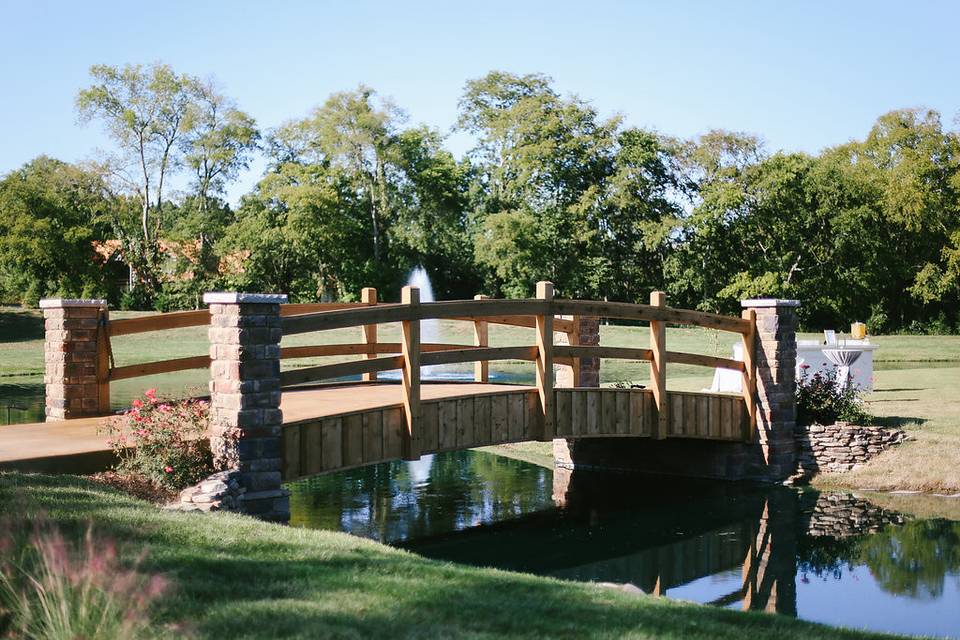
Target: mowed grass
236	577
926	403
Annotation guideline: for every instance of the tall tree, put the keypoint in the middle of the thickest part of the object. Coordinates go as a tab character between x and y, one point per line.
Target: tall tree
147	113
397	187
541	161
642	209
219	144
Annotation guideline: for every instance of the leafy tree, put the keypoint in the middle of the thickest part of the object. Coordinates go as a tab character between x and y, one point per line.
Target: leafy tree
641	212
51	212
162	122
147	113
705	249
398	194
296	234
219	144
541	161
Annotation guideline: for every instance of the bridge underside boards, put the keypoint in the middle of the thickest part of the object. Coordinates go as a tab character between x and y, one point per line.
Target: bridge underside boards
464	416
596	413
475	417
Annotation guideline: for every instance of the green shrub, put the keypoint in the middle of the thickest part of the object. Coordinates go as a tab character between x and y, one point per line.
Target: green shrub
164	442
821	399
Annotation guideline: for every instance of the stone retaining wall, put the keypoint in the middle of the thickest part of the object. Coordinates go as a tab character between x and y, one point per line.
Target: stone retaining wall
219	492
842	446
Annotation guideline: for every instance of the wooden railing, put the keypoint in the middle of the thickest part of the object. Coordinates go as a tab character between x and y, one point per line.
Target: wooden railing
410	353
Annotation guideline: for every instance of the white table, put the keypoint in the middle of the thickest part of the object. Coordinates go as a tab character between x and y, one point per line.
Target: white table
853	360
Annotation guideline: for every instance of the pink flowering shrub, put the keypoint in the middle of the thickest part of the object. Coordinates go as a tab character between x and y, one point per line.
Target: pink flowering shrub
822	399
164	442
52	588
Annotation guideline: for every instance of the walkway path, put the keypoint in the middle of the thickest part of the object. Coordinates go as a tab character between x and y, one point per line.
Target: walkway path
75	446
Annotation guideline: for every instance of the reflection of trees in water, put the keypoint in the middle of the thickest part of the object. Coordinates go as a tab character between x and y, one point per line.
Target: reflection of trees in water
912	559
386	503
450	492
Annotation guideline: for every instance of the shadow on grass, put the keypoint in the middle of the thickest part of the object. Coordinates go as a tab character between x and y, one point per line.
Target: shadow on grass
20	326
236	577
898	421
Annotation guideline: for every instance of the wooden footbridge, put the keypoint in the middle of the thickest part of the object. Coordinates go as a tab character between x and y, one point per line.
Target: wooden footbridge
327	427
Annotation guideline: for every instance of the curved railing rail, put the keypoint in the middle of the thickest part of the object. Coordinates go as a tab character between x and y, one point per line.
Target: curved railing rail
408	355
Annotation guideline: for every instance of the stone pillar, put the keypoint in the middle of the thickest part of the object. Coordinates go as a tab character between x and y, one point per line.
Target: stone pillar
245	335
587	370
584	373
71	358
776	361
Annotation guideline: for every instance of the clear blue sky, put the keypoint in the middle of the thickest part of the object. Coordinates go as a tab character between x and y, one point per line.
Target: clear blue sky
803	75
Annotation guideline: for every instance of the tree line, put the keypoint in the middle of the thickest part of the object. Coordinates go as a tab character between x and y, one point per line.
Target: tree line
354	195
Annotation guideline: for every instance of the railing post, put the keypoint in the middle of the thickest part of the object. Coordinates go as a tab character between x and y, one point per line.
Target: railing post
72	359
749	384
545	361
658	366
411	373
103	361
369	297
481	338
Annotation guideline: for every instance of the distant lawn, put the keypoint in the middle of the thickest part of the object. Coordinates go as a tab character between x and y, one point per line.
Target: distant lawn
235	577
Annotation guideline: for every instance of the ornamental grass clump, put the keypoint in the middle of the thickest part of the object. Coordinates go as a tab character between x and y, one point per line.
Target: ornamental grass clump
53	590
163	442
823	399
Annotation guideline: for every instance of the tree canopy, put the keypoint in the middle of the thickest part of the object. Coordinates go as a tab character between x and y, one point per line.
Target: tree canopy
355	195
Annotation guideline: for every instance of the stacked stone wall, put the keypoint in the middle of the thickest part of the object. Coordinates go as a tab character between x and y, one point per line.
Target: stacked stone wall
840	447
841	515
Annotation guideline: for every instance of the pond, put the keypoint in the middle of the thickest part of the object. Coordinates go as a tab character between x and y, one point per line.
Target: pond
831	558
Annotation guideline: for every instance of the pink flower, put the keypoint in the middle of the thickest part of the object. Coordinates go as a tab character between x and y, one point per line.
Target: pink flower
137	403
804	366
142	432
151	394
168	469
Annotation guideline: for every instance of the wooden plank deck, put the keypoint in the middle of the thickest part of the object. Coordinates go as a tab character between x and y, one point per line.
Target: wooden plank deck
75	446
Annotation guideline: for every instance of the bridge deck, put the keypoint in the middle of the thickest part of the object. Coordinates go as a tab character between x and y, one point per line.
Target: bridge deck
75	446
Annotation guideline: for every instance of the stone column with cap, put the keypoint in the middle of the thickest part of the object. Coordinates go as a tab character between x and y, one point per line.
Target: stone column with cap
71	358
776	361
245	333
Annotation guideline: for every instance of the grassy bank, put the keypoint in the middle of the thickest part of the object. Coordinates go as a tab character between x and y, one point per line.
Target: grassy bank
237	577
925	402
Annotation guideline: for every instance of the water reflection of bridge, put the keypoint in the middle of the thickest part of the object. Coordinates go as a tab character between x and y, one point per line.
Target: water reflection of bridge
656	540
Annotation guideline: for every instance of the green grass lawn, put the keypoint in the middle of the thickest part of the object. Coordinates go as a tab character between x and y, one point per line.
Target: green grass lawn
236	577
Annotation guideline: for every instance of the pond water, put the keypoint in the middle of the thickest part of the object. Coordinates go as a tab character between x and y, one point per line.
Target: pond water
829	558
